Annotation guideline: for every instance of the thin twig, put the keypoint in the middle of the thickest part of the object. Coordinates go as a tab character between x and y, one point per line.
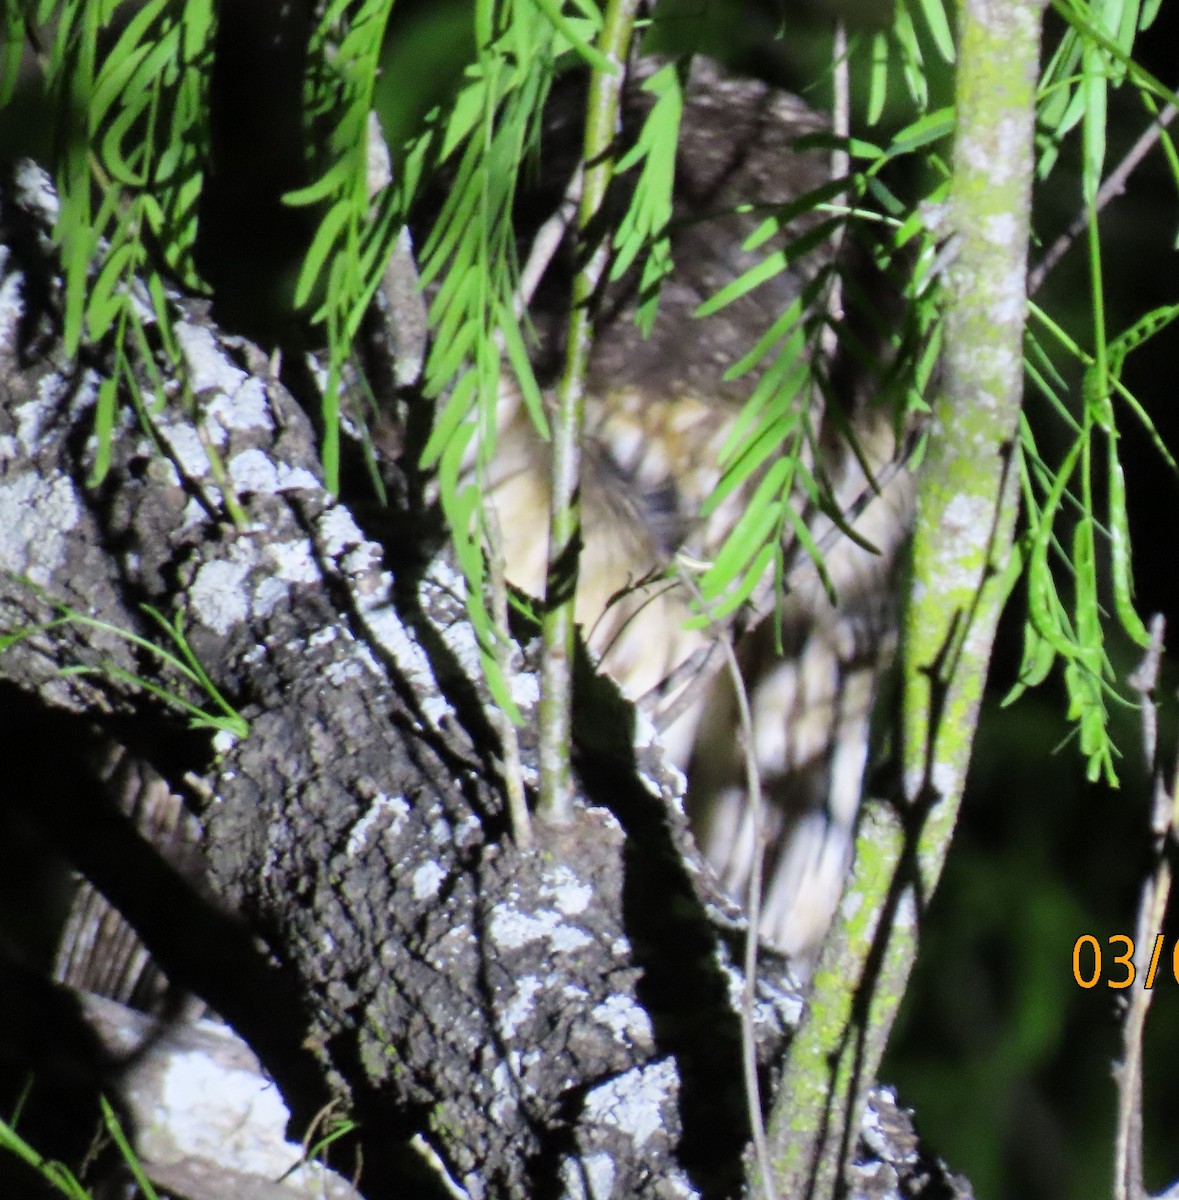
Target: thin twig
548	238
1113	186
840	166
505	654
1152	907
557	624
753	897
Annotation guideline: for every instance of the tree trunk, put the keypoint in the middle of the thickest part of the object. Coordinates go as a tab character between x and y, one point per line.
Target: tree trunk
558	1022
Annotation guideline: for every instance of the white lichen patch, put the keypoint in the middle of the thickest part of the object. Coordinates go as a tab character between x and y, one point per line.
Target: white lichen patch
460	639
294	479
294	562
47	508
520	1007
247	408
525	689
634	1101
195	514
468	832
30	421
570	894
511	929
967	514
209	369
1006	362
338	531
504	1103
677	1186
218	598
34	190
1000	229
219	1115
253	471
385	809
389	632
185	445
945	778
223	741
336	674
571	993
765	1011
646	737
626	1019
268	595
854	901
588	1178
906	911
323	637
426	881
11	307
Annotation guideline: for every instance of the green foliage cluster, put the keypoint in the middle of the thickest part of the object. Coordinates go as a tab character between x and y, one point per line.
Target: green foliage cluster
487	134
128	86
57	1176
1068	521
127	82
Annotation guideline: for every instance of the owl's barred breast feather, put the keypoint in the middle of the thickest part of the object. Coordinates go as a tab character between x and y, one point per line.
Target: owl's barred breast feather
658	412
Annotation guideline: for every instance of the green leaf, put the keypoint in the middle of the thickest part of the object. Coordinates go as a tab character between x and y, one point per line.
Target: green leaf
109	294
878	79
1119	549
939	28
325	242
457	410
1035	666
589	53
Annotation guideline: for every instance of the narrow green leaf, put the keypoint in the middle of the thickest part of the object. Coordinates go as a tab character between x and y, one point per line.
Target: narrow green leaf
109	293
104	424
325	243
591	55
878	79
1119	549
939	27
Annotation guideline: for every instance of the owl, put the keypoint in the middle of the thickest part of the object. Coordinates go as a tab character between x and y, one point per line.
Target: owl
659	412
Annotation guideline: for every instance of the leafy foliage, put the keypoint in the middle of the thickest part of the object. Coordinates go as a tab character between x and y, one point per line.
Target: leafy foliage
347	255
1092	56
180	659
58	1176
486	135
128	85
131	146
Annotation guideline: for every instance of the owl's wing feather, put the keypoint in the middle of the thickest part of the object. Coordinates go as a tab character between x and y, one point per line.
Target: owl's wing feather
658	412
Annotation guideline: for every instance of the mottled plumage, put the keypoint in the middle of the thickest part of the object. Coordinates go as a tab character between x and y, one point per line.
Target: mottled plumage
658	412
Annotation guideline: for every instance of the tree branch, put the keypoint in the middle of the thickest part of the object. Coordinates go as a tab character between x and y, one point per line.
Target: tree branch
966	506
603	114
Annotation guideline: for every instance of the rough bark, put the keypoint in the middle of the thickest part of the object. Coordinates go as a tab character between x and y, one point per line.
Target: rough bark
560	1022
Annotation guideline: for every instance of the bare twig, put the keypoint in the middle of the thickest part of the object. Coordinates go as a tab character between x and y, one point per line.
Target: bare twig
1113	186
753	897
548	238
557	625
409	324
505	654
840	166
1152	907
